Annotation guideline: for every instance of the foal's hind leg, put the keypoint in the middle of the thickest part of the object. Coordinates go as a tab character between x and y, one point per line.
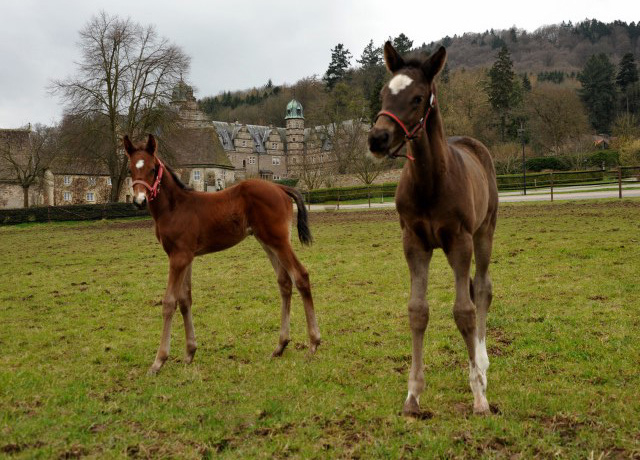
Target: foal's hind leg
482	244
464	312
300	277
418	260
178	264
285	284
185	308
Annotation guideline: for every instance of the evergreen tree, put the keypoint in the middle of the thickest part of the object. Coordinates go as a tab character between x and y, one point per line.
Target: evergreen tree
598	91
627	76
402	44
371	56
503	91
340	59
526	83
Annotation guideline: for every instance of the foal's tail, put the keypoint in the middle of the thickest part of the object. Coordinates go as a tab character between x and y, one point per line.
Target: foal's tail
304	232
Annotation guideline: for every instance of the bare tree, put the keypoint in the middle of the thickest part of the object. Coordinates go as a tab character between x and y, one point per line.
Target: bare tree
26	154
123	85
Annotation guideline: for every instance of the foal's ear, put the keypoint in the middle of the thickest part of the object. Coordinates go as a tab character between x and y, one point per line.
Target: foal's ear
128	146
392	59
435	63
151	145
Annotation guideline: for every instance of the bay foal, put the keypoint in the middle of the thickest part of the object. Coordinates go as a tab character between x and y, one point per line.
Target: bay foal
446	198
190	224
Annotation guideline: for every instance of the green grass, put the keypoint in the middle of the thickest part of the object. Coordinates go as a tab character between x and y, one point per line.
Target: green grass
80	315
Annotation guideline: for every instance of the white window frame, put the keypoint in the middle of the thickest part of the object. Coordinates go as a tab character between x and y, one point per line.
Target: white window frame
67	180
91	181
252	160
274	145
66	196
275	161
196	175
91	197
109	181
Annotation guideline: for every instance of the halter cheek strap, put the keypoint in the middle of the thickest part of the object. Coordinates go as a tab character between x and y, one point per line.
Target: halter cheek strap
153	190
408	135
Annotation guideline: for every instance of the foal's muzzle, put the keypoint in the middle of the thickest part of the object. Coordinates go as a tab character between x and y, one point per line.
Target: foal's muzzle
379	141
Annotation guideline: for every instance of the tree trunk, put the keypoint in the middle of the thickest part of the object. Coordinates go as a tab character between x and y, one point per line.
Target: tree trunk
25	194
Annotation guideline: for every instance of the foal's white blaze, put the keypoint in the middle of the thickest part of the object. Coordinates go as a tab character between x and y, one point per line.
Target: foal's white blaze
140	164
398	83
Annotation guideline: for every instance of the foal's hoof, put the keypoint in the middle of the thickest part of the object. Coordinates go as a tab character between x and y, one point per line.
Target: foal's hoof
411	408
314	346
152	372
481	408
189	355
279	349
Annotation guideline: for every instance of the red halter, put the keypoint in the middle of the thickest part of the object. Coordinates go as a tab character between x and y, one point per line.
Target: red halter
409	135
153	191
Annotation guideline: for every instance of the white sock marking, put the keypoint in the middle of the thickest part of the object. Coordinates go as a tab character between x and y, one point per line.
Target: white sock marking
482	359
399	82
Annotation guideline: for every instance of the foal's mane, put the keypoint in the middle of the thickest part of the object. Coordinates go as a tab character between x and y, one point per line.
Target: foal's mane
181	184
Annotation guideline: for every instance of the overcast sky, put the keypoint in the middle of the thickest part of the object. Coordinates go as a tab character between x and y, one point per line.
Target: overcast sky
237	44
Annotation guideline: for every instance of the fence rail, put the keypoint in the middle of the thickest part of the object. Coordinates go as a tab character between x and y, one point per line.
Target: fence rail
513	182
335	196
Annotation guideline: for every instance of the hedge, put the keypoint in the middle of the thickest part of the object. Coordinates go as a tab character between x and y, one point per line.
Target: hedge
349	193
72	212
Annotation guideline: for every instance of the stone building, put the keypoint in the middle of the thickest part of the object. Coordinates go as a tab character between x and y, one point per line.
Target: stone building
207	155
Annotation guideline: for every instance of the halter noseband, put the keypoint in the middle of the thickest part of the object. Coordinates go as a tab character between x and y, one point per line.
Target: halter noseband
153	190
409	135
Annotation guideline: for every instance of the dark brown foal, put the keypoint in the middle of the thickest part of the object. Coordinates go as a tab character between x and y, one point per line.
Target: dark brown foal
446	198
190	224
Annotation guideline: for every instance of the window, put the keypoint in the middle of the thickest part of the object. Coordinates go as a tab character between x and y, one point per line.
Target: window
91	181
274	145
67	196
244	143
244	163
252	160
196	175
275	160
67	180
91	196
109	181
276	177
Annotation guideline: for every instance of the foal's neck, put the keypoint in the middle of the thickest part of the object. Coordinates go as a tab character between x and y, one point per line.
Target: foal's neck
430	151
169	195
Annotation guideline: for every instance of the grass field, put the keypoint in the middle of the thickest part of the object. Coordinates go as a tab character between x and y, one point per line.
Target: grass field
80	316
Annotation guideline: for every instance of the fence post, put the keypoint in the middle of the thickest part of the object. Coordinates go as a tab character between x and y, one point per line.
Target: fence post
619	181
338	207
551	185
382	195
369	195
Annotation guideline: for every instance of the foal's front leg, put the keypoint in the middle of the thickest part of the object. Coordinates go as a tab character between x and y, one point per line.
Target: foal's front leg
418	260
178	264
464	313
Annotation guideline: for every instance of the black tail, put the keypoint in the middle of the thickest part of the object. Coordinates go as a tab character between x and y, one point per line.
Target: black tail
304	232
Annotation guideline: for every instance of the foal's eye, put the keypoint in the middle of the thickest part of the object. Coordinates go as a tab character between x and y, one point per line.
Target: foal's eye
417	100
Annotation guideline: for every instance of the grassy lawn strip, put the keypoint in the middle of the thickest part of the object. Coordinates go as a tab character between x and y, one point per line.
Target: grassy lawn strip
80	313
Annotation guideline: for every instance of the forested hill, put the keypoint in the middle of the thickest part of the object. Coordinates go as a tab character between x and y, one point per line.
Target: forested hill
565	47
350	87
